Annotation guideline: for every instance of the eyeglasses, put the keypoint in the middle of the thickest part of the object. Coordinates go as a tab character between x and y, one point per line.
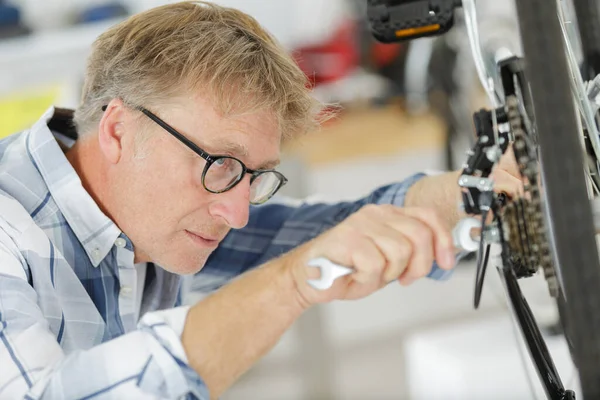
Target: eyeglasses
221	172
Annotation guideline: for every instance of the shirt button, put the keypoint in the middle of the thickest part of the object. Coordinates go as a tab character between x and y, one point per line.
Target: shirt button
120	242
125	291
96	254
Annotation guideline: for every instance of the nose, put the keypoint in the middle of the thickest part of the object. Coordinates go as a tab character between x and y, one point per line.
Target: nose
233	205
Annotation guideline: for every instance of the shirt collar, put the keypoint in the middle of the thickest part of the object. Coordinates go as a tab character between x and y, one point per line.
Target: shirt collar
96	232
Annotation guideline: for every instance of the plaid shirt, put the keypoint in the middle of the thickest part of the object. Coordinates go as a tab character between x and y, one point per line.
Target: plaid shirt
68	281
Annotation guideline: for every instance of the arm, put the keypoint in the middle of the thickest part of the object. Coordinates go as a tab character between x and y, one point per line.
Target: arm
439	192
279	226
230	330
144	363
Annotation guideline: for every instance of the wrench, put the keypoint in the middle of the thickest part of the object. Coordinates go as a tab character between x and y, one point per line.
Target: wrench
330	271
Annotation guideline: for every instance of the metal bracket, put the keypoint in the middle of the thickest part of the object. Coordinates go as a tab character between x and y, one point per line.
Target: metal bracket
482	184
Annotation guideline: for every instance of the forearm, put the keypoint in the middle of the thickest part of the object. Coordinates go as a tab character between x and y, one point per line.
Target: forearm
440	192
230	330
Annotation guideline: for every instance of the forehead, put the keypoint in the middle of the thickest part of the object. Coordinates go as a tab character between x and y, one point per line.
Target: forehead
253	136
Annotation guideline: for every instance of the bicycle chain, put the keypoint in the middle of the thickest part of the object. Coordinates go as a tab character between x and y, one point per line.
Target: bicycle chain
524	218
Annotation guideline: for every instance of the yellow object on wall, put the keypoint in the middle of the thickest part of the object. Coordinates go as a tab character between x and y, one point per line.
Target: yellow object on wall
21	109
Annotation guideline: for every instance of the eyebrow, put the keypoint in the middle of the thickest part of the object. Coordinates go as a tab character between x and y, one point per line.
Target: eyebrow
236	149
241	151
269	164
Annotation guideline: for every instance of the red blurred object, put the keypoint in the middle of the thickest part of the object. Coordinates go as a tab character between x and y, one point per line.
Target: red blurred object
383	54
333	59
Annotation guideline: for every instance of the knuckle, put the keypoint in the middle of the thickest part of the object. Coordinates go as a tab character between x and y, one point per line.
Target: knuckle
405	251
351	243
423	235
401	253
433	214
398	259
379	265
368	255
349	229
363	252
428	212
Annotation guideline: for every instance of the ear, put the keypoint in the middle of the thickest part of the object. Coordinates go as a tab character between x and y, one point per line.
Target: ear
111	130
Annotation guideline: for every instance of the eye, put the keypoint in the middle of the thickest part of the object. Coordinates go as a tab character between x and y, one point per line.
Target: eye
220	162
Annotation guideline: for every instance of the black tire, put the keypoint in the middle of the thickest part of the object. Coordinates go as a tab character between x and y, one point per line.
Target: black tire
565	192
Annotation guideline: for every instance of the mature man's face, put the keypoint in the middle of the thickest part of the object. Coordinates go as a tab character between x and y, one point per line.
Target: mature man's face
157	197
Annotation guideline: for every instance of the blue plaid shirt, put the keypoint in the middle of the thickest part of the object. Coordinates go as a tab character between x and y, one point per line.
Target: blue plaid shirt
68	325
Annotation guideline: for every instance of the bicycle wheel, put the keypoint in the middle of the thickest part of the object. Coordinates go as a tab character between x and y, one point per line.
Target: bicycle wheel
570	222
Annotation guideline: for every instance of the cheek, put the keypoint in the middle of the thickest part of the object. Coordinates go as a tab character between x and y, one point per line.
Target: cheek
171	187
163	169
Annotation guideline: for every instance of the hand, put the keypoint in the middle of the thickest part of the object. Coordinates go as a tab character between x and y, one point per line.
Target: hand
507	177
382	243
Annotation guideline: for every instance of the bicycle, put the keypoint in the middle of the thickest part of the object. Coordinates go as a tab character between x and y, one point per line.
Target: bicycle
533	107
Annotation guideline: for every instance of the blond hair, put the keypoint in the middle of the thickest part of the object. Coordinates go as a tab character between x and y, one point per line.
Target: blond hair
196	46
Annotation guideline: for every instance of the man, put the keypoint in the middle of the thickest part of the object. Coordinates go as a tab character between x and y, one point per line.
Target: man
183	111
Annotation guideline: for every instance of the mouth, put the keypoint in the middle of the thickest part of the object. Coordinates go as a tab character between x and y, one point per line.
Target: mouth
203	241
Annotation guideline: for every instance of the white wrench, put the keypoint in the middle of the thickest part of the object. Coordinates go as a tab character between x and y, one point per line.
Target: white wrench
330	271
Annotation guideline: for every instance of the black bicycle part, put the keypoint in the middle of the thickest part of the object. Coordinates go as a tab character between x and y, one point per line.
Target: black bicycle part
588	17
486	201
535	342
536	345
482	262
566	198
478	163
513	83
401	20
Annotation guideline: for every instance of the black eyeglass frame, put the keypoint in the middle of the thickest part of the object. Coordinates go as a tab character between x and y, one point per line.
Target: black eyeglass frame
211	158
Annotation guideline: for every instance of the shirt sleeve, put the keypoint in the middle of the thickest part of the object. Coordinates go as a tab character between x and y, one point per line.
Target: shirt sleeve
279	226
147	363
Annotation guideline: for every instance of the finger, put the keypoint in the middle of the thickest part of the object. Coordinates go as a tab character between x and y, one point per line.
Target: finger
394	246
367	260
406	280
420	236
443	244
507	183
508	162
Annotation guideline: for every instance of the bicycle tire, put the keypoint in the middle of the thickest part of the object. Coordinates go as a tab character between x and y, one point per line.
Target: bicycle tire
570	221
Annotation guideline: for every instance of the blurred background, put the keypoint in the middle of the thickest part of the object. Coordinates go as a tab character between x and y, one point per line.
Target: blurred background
406	108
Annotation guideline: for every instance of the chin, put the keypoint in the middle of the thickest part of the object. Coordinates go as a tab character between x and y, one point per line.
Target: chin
179	266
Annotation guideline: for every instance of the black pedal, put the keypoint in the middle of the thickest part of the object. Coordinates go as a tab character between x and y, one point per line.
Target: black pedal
400	20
